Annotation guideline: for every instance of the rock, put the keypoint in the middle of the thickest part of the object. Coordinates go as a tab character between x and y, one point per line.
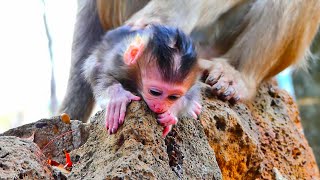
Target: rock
252	139
53	136
137	150
22	159
262	139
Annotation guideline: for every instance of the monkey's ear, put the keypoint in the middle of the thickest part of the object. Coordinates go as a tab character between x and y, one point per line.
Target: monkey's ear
134	51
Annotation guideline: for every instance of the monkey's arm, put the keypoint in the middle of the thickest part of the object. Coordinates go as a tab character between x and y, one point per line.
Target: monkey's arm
186	105
114	99
109	93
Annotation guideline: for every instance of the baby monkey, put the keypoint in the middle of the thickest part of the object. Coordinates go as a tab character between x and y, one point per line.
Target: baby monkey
158	63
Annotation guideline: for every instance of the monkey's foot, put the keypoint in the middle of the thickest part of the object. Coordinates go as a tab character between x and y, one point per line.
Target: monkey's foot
226	82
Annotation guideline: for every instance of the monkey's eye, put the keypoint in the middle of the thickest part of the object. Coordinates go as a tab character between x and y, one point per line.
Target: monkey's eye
155	92
173	97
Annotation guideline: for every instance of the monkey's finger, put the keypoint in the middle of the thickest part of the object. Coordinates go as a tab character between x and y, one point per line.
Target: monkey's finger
163	115
197	111
212	79
235	99
116	117
171	121
198	105
106	119
193	114
214	75
163	119
229	93
123	109
110	117
134	98
115	120
107	116
219	88
216	88
166	130
174	121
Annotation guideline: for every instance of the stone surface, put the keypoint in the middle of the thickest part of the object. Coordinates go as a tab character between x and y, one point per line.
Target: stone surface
22	159
137	150
252	139
262	139
53	136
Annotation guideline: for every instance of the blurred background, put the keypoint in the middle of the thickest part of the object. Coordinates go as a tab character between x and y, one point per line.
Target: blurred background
35	43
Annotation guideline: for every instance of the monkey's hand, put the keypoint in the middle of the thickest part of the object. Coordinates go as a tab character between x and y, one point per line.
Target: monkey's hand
169	118
194	109
226	82
116	106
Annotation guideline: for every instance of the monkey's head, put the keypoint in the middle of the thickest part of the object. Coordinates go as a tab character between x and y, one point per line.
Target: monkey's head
166	61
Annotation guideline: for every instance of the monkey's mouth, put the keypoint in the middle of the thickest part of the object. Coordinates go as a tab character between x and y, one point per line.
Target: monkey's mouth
157	110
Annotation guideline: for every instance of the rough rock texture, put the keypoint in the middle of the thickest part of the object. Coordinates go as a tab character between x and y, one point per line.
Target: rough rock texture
53	136
137	150
258	140
22	159
250	140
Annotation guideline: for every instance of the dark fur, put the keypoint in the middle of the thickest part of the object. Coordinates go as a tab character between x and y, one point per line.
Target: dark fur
257	38
113	70
78	101
164	54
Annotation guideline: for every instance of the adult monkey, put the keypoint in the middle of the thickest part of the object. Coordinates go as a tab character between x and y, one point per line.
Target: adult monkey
245	41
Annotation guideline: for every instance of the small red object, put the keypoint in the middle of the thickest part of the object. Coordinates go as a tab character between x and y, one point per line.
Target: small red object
53	163
68	159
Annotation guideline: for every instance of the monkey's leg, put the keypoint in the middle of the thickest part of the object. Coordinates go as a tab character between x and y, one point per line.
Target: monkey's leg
78	101
165	12
276	38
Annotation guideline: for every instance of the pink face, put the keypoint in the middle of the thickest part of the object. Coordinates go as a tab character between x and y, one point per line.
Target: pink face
160	95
